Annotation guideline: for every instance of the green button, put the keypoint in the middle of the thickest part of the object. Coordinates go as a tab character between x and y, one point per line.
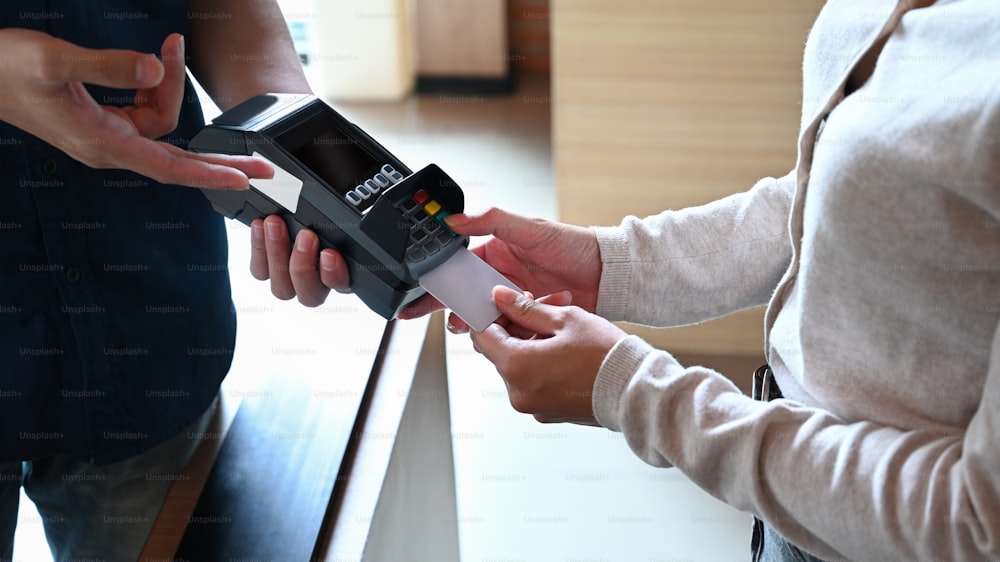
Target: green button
440	218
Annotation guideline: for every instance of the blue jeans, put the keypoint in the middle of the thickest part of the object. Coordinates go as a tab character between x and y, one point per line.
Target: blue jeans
96	512
769	546
766	545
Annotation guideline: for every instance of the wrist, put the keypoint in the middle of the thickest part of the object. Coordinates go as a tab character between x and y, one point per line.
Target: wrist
619	366
615	272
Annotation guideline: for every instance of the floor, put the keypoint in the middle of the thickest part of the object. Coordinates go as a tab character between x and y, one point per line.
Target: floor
526	492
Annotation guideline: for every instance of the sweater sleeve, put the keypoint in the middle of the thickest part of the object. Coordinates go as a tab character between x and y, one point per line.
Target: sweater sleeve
857	490
689	266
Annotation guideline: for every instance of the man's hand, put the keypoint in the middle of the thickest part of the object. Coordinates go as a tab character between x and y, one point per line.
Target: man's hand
42	92
295	270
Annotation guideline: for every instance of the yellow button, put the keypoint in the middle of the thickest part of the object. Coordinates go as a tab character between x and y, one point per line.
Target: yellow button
432	207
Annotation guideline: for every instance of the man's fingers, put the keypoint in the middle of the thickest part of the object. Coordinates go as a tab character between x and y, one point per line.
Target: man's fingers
155	110
169	93
279	252
304	272
250	166
333	271
311	289
183	169
64	62
166	163
258	251
169	164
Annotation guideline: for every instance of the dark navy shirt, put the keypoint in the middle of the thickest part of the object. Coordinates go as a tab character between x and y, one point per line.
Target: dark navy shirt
116	320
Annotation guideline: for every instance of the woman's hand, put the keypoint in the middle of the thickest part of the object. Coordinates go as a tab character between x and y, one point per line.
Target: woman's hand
540	256
551	373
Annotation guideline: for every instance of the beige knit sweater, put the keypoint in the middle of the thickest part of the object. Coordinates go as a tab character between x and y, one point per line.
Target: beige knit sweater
879	256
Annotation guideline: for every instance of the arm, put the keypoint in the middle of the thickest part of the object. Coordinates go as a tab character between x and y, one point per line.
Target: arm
861	491
687	266
692	264
245	53
857	490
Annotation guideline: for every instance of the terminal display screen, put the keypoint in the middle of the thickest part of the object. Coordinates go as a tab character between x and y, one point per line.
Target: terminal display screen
336	159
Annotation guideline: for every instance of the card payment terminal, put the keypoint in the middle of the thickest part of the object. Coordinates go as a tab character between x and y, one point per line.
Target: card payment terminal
332	178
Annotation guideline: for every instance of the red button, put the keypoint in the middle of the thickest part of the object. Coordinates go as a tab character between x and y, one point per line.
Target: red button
421	196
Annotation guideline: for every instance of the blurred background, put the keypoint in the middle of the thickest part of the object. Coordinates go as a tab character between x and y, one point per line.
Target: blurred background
578	110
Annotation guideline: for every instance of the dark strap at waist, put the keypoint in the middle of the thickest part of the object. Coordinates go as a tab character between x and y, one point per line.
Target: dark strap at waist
765	388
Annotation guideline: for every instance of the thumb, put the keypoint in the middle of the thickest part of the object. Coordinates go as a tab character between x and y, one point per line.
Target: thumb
525	311
114	68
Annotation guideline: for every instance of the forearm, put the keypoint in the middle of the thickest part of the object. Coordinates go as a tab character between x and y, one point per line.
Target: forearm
242	48
858	490
687	266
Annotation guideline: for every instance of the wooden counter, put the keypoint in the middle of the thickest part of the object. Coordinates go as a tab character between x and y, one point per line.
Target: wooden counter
300	472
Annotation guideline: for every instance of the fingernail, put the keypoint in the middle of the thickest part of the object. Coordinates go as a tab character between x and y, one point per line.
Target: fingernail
456	220
303	243
506	294
452	327
326	262
273	230
256	232
147	70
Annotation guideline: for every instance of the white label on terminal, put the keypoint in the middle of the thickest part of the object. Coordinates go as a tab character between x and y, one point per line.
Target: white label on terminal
283	188
464	283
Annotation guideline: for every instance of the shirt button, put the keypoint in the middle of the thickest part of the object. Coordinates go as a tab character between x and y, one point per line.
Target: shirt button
49	166
72	275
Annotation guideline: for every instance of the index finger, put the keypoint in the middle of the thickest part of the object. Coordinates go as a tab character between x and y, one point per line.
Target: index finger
509	227
169	164
63	62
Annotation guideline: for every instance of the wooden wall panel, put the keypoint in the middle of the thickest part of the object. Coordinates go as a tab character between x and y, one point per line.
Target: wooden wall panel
528	24
461	38
669	103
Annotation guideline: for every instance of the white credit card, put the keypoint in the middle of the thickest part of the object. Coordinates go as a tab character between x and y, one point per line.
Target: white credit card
284	188
464	283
